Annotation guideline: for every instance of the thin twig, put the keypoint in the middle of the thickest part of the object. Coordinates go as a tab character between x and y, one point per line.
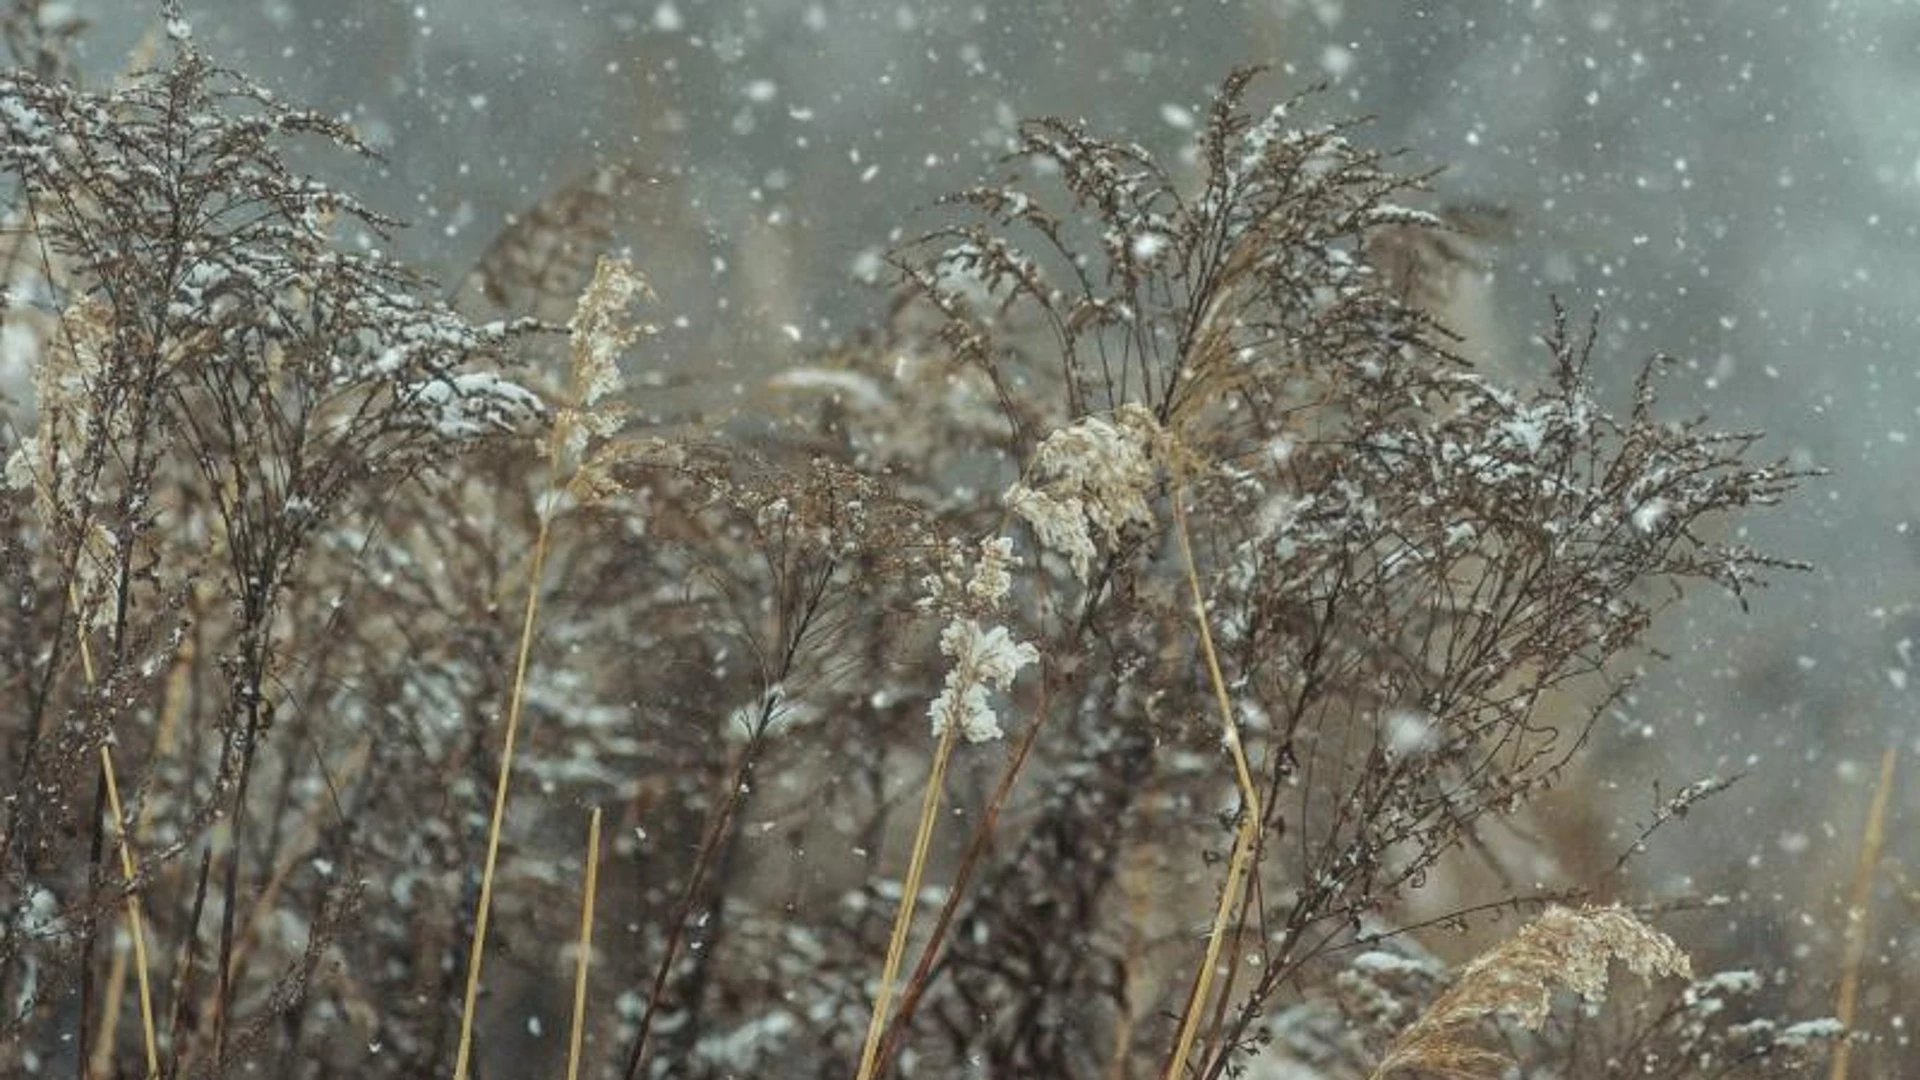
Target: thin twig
676	932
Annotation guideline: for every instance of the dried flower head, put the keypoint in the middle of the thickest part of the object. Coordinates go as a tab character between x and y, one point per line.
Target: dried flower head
1089	482
585	452
984	659
1563	949
601	328
976	586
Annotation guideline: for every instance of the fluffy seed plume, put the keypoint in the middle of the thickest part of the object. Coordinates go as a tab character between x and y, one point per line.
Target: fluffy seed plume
1089	481
1564	949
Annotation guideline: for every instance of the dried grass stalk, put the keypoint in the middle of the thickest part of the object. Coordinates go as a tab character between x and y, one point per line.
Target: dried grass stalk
1564	949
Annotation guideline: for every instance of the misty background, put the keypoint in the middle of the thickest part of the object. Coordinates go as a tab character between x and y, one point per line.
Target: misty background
1735	183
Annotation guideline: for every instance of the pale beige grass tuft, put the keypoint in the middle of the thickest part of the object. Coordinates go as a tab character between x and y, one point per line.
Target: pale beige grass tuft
1563	949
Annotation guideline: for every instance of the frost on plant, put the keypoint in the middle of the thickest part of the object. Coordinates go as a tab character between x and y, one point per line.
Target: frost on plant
1544	999
267	349
977	585
601	330
226	378
274	496
983	659
1382	531
1089	482
1562	949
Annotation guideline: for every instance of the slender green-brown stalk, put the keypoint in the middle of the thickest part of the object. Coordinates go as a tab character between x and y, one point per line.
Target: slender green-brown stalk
575	1037
984	832
599	332
171	708
1243	843
903	918
478	947
133	914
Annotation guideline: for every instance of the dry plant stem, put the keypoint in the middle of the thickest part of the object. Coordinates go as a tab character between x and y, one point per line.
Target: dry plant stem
1871	839
1139	911
575	1037
297	853
133	914
983	835
251	723
117	972
100	1063
910	889
478	947
181	1049
80	634
175	704
89	920
1195	1009
87	665
1244	840
702	864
